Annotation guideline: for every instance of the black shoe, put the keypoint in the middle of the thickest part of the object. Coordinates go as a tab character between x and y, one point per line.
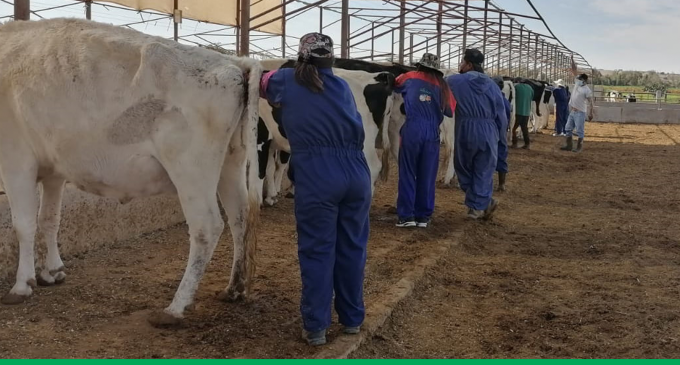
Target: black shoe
422	222
579	146
406	223
475	214
351	330
570	144
314	338
501	181
488	212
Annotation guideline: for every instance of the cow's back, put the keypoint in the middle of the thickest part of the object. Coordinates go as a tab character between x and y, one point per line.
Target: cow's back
91	98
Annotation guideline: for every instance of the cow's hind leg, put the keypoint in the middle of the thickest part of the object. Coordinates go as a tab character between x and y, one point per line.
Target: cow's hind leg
233	193
196	184
52	268
19	177
270	189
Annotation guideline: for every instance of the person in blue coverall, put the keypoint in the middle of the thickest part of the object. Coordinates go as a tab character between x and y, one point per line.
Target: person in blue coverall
502	165
481	121
561	108
427	99
332	185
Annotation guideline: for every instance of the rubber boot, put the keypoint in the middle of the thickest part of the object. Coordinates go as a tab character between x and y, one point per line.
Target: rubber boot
488	212
570	144
501	181
579	146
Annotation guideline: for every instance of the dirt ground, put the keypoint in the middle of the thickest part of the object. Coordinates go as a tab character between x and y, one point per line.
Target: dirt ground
581	260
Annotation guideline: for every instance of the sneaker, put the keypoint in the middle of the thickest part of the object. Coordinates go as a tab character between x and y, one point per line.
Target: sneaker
314	338
422	222
406	223
352	330
475	214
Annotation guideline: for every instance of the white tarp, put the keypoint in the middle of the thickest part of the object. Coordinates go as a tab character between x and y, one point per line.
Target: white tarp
212	11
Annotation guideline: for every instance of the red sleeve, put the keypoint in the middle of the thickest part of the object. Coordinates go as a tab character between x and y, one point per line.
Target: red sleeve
452	101
399	82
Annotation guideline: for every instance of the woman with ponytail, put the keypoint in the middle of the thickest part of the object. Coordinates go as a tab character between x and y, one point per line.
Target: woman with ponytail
427	99
332	185
481	123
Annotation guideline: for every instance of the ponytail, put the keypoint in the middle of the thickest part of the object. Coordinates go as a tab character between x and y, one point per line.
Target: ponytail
307	75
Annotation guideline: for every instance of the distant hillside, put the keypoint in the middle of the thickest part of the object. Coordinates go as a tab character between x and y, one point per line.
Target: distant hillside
648	79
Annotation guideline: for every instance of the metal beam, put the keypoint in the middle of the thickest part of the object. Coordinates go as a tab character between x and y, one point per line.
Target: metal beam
283	32
22	9
486	26
175	24
88	9
440	10
244	38
344	30
465	26
500	31
402	31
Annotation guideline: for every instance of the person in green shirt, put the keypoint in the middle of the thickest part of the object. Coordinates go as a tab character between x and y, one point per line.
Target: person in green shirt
524	95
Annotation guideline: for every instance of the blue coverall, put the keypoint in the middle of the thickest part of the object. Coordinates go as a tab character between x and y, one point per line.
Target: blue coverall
481	120
332	193
502	165
419	143
561	109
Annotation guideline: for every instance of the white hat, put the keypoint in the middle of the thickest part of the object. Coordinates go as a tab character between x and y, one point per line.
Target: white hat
558	83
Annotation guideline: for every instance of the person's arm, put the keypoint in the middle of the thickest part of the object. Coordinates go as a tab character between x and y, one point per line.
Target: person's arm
591	104
400	83
450	105
272	87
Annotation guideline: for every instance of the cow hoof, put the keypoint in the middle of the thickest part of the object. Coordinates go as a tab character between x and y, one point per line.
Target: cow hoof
162	319
13	299
53	277
59	277
392	210
45	282
269	202
231	296
290	195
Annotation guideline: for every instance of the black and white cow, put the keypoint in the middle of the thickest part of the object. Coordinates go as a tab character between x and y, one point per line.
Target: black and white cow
390	135
373	96
539	107
541	122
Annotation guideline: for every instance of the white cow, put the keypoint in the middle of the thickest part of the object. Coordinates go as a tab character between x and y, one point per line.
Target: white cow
613	96
125	115
509	93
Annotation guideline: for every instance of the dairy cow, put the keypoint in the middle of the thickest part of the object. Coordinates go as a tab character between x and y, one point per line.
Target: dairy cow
390	135
509	93
124	115
373	96
541	122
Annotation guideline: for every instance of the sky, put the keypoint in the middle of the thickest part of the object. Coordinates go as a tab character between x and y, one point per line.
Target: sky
610	34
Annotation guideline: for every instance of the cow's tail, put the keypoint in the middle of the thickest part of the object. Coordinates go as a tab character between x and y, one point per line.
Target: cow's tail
249	122
385	169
